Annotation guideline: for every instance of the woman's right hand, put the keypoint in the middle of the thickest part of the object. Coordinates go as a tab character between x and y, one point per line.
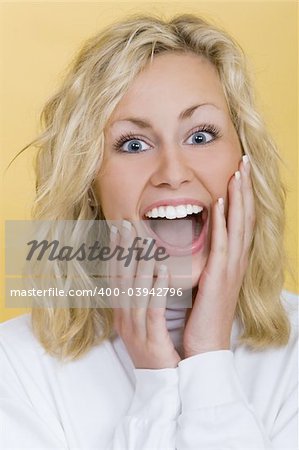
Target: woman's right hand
140	320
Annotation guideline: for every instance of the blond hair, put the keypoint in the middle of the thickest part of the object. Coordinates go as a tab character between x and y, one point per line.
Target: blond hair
71	151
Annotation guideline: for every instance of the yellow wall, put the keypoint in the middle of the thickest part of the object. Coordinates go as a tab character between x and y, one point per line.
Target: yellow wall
38	40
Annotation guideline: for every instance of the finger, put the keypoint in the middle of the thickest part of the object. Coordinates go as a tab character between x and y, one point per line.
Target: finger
144	282
235	222
126	266
218	255
144	278
155	318
112	265
113	277
249	204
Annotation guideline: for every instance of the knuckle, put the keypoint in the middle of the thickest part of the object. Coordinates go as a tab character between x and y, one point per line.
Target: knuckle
153	313
240	233
252	220
221	249
248	183
124	330
142	276
144	265
124	282
118	326
136	309
245	260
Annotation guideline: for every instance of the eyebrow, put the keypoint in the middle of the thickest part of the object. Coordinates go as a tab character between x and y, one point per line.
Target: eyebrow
186	114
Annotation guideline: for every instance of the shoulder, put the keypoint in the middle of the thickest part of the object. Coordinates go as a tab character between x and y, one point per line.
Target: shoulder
26	364
19	348
20	321
17	329
290	297
17	332
290	302
20	358
279	357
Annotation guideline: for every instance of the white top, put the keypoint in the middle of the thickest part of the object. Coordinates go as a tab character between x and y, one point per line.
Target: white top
227	399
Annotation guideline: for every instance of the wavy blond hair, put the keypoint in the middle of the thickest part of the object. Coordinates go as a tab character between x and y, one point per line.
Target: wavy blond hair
70	152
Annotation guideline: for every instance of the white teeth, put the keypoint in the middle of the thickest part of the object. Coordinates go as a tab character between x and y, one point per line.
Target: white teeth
161	211
197	208
155	212
189	209
170	212
181	211
174	212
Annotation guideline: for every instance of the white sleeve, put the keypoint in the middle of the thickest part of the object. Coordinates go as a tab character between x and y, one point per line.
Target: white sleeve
21	426
150	422
284	434
215	412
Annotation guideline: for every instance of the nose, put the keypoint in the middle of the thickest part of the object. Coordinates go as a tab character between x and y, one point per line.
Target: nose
172	168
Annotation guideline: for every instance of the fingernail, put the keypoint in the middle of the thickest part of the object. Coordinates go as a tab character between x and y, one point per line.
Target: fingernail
246	162
148	241
245	159
163	269
238	177
113	233
127	225
221	204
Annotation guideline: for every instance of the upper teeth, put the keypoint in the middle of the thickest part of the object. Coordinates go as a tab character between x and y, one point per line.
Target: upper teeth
174	212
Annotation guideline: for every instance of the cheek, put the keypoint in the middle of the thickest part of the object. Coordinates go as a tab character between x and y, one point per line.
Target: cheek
221	169
116	191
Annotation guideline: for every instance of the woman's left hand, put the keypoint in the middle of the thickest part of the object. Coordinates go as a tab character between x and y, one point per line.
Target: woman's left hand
210	322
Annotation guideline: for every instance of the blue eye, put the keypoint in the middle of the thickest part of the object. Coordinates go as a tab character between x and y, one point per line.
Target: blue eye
134	146
129	143
201	137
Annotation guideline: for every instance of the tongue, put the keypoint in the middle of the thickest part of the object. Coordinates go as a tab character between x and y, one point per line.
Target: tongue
176	232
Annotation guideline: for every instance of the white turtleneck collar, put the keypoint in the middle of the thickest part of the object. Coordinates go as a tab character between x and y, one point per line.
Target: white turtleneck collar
175	315
175	319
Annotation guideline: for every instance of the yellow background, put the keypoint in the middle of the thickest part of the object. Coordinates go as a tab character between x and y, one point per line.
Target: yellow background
38	40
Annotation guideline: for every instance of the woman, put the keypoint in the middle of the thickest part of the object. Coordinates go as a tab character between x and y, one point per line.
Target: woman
155	118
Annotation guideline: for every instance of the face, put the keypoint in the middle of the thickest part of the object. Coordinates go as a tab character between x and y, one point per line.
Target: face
170	141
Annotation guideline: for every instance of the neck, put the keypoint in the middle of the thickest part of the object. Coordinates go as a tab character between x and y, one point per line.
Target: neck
177	310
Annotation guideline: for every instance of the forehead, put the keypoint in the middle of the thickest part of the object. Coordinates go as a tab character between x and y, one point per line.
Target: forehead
170	82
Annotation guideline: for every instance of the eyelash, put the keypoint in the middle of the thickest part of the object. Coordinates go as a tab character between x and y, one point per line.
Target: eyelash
124	138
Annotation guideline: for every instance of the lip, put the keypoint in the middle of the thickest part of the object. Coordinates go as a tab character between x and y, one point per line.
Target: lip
195	247
173	202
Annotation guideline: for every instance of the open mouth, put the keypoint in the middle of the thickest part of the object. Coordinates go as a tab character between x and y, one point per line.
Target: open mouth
185	233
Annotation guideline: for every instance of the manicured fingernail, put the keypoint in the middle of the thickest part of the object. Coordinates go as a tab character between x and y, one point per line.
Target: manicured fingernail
245	159
221	204
148	241
113	233
163	269
127	225
246	162
238	177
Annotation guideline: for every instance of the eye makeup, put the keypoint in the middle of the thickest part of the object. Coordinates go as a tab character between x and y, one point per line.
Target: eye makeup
124	138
